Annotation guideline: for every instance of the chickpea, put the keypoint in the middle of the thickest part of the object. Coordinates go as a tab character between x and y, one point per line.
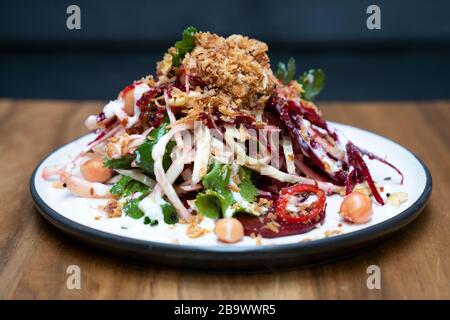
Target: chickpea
229	230
94	171
356	207
129	102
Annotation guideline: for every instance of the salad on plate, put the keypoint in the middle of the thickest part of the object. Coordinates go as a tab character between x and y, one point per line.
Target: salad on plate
216	135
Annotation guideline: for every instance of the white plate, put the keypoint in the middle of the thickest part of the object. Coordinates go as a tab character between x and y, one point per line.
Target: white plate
80	216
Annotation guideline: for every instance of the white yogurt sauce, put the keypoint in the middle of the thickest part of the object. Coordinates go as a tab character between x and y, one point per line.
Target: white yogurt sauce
151	206
100	189
115	108
139	90
292	204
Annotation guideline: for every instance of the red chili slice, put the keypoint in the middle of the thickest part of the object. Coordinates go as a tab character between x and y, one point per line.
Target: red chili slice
313	210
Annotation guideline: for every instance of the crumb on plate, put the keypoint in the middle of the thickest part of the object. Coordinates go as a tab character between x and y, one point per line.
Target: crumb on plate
397	198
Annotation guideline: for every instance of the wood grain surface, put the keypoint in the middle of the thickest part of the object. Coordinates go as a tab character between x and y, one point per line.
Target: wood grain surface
34	255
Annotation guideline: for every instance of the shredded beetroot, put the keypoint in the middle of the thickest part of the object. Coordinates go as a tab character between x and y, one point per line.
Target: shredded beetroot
316	120
375	157
362	172
196	81
100	135
350	181
101	116
293	123
246	120
144	102
349	172
156	117
310	115
109	122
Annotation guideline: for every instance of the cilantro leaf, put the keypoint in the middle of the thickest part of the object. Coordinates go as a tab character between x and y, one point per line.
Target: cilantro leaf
131	207
133	187
210	204
127	186
118	188
313	82
169	213
281	72
185	45
121	163
151	222
217	198
247	188
144	157
167	160
286	73
218	177
218	180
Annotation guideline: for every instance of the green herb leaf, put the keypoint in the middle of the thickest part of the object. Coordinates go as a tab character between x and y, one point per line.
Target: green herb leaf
127	186
286	73
281	71
121	163
151	222
131	207
167	160
169	213
218	177
217	198
209	204
154	223
217	180
118	188
313	82
247	188
185	45
144	158
135	186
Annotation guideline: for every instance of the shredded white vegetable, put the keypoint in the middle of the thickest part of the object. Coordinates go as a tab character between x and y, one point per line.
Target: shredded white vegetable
289	154
163	180
268	170
202	153
138	176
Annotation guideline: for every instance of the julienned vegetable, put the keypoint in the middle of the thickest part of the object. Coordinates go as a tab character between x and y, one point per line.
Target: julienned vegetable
144	159
199	140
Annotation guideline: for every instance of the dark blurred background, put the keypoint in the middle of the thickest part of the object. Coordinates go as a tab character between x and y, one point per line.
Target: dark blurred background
119	41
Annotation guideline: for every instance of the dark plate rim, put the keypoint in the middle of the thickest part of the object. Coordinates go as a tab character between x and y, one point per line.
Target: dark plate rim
376	231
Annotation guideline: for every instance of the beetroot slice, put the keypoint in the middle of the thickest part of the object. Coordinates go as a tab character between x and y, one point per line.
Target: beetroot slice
255	225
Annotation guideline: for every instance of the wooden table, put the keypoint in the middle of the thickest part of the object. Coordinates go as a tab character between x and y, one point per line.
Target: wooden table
34	255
